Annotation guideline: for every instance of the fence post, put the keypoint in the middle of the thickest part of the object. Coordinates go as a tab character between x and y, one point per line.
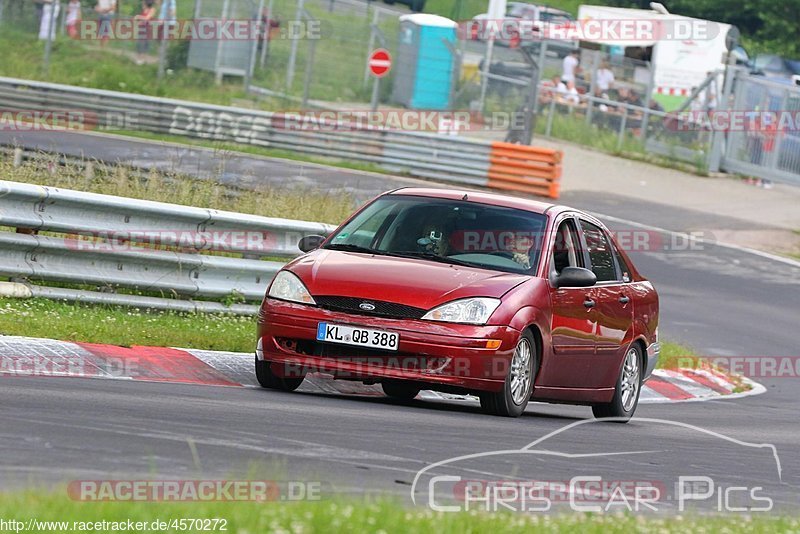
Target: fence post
592	86
778	141
293	51
162	54
550	113
251	64
647	100
718	136
622	124
265	46
487	61
371	44
55	8
312	45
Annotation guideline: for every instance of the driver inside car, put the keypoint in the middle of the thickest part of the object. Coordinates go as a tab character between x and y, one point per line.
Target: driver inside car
520	247
434	240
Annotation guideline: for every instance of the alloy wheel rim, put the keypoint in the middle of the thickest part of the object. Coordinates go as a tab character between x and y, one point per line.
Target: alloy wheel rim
521	372
630	380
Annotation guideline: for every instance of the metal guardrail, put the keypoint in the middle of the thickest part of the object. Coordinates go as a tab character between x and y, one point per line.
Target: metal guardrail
440	157
114	242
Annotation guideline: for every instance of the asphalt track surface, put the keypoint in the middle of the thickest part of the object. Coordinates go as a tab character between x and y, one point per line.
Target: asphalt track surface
719	300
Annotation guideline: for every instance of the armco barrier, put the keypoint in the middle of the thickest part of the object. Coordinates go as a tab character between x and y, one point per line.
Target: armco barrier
440	157
100	240
525	169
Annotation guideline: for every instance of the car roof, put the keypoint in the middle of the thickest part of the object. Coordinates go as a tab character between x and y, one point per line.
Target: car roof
484	197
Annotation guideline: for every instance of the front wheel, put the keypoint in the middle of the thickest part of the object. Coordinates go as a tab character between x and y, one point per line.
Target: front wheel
512	400
626	393
268	379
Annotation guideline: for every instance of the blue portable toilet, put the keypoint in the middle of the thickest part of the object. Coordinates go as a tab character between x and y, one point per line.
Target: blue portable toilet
423	78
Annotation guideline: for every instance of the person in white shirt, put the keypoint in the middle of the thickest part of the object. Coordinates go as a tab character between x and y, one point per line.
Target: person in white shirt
568	93
49	21
105	14
569	67
604	78
73	18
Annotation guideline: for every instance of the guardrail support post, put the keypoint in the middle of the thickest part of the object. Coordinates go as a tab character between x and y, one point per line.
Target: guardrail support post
17	157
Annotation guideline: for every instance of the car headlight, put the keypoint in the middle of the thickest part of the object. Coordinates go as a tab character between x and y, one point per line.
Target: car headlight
287	286
473	311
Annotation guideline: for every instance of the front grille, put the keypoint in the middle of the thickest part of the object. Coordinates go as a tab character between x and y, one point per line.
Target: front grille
382	309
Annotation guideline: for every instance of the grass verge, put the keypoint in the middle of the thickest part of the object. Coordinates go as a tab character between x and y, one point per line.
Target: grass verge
124	326
357	516
127	326
292	203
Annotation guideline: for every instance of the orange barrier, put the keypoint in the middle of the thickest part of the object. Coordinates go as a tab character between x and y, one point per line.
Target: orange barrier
527	169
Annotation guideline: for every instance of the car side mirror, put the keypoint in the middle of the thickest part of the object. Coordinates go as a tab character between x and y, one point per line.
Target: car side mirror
575	277
310	242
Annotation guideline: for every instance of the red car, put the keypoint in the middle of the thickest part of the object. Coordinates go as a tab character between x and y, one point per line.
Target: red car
466	292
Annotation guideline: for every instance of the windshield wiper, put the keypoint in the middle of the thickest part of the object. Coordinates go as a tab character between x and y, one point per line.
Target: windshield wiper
348	247
433	257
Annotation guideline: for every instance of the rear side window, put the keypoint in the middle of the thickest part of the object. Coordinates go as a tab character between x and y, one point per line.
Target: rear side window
601	255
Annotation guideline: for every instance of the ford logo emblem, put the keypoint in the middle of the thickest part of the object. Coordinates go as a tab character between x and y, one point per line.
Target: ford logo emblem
366	306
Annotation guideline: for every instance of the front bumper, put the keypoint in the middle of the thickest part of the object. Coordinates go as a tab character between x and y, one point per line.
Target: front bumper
447	355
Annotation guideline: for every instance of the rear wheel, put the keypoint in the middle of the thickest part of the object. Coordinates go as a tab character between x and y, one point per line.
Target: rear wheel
400	390
518	386
626	393
268	379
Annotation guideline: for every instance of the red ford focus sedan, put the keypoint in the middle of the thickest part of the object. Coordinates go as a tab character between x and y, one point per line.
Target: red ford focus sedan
467	292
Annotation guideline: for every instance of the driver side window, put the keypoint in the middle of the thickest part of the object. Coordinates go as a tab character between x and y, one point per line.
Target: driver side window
566	248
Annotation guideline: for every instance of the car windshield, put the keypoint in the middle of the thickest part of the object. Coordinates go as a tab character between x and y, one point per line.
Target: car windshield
457	232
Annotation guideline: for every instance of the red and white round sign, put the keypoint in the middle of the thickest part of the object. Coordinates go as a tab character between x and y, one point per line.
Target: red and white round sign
380	62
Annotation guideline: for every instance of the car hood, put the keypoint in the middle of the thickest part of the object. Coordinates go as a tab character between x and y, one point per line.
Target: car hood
411	281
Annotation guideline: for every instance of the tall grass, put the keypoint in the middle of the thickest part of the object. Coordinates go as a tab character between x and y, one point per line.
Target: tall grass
291	203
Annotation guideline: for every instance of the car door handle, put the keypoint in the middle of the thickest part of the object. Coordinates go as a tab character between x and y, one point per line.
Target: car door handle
589	303
624	299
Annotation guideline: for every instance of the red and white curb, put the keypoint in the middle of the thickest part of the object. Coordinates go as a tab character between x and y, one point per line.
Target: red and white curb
24	356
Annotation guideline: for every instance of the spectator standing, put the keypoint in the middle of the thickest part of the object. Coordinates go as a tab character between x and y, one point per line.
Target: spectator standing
570	67
604	78
142	21
73	19
105	14
48	20
168	10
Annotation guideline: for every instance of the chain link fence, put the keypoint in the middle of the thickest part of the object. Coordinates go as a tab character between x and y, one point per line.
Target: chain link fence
768	144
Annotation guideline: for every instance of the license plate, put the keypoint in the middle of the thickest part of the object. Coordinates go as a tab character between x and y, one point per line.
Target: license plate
360	337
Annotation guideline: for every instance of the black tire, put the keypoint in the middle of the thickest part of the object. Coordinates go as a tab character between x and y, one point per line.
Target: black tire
388	2
510	402
267	379
622	407
417	5
400	390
